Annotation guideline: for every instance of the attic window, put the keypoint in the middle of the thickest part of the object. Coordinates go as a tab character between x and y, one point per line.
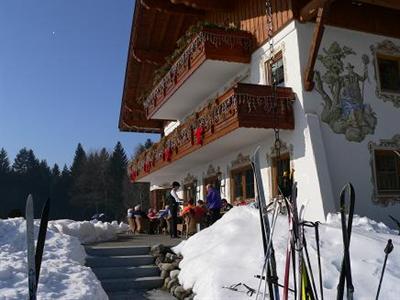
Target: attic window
389	73
275	68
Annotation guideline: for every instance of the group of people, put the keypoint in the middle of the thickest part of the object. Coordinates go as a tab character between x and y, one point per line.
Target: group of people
195	215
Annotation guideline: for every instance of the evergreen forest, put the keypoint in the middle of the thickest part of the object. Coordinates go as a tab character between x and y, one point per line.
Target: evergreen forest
96	182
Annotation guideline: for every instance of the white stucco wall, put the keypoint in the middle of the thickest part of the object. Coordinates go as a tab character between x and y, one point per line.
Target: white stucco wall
350	161
323	161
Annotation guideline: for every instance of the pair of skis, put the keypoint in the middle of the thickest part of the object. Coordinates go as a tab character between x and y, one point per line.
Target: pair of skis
268	272
35	257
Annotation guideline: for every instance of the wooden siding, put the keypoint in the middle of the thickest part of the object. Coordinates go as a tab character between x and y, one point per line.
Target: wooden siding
250	16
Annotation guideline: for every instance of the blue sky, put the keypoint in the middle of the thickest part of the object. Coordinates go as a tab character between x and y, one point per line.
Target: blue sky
62	66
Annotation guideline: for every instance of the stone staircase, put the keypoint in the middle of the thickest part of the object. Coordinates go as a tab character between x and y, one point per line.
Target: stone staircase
125	272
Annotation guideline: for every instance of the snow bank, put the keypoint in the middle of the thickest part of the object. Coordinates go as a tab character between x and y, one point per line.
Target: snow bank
63	275
230	252
89	232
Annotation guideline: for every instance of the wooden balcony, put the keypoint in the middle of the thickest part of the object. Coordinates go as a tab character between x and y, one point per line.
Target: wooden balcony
240	117
211	59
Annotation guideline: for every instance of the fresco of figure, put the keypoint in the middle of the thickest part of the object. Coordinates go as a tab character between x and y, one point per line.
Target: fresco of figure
344	109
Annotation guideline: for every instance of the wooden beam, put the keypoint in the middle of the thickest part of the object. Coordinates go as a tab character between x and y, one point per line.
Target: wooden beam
206	4
166	6
154	57
392	4
310	10
322	13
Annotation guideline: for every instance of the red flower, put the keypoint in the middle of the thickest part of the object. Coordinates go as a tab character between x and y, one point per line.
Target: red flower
133	176
167	155
199	135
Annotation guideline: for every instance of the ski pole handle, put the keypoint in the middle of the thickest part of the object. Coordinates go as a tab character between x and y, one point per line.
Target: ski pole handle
389	247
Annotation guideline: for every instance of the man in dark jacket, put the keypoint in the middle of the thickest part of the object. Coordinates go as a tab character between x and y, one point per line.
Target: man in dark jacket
213	203
173	203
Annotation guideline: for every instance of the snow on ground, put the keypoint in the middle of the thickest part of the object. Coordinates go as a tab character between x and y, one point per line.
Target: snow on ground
89	232
230	252
63	274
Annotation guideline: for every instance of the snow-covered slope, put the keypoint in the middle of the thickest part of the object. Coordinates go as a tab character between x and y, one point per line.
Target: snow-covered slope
230	252
63	275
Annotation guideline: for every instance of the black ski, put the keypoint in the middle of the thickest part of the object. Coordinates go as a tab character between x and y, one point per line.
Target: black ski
30	241
270	263
345	273
44	219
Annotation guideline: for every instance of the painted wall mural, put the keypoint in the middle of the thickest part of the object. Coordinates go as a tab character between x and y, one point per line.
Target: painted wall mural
342	90
386	74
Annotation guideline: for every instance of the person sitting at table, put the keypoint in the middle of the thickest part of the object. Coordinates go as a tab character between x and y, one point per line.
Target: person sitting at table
139	216
225	206
200	214
188	214
153	220
163	219
131	221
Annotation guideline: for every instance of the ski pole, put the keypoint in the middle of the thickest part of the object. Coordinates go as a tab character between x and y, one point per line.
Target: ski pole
389	248
319	260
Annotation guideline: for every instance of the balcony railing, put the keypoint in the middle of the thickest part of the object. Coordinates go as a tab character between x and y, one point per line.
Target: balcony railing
214	44
243	106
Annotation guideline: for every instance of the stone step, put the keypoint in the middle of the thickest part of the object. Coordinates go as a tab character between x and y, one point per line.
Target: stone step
119	261
127	295
117	251
126	284
126	272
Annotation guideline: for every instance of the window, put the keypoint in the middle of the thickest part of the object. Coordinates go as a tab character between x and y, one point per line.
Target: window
189	191
389	73
211	180
274	69
243	184
387	172
278	168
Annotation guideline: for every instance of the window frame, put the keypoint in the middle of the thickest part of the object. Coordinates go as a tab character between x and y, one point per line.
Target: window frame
268	68
378	192
242	171
274	172
189	188
378	56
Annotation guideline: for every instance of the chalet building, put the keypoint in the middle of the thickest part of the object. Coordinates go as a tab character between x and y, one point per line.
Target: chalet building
200	74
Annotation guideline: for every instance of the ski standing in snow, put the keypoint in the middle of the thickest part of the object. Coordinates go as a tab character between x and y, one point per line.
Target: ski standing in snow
35	257
30	240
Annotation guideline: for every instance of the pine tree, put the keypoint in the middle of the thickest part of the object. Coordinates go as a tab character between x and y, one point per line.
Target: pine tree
117	172
55	171
79	161
25	161
77	168
148	143
4	162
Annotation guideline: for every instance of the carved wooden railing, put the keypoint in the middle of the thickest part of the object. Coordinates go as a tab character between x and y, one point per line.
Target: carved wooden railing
245	105
210	43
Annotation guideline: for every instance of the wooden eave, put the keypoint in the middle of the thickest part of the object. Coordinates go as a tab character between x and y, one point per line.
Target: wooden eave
153	36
